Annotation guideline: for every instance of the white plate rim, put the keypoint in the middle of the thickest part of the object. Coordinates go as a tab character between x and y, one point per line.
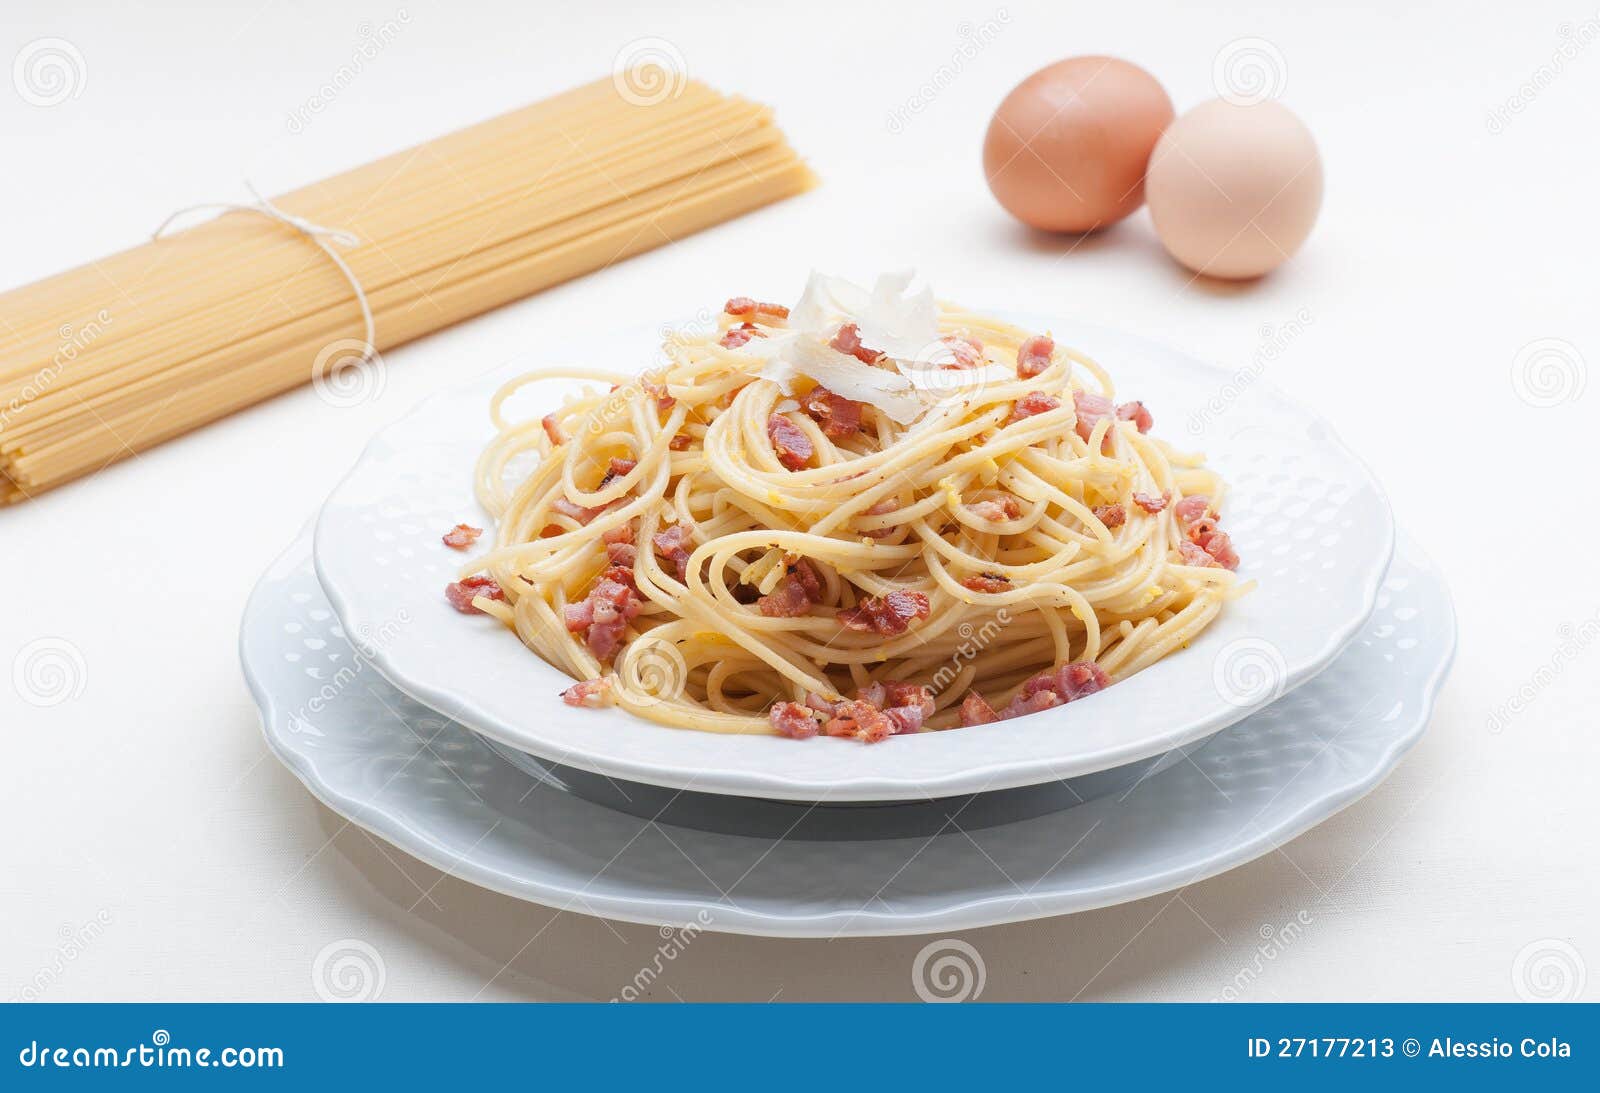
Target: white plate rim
991	910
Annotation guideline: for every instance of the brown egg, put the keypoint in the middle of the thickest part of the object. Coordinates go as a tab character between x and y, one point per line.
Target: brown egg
1234	190
1067	149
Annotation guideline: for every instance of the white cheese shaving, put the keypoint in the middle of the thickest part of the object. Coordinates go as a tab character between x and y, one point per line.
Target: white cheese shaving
803	355
891	318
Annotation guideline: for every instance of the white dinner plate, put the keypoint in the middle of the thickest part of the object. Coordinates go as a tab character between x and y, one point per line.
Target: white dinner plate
440	793
1309	520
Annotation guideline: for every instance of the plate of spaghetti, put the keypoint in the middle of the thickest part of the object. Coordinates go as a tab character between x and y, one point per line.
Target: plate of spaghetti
868	547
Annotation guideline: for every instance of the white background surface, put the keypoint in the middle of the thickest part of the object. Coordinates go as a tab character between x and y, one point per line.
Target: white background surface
148	805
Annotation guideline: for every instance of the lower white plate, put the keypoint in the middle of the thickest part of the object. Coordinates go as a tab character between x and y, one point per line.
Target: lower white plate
439	792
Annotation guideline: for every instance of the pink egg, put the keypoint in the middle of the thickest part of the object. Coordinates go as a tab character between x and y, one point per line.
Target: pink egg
1234	190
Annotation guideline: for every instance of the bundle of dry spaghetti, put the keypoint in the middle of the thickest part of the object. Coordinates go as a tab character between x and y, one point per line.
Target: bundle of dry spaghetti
116	356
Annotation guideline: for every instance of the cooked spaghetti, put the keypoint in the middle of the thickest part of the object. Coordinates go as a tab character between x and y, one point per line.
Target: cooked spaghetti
870	517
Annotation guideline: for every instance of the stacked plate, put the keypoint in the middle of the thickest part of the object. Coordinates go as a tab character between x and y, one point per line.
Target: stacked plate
445	736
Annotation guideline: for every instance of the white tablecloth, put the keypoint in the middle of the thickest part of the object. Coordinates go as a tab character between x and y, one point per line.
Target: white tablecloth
153	849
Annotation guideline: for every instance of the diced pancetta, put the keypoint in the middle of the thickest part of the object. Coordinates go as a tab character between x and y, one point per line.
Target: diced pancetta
735	336
603	615
860	721
1004	507
461	593
743	307
987	582
552	429
1033	355
1136	413
881	508
672	544
792	720
976	711
1090	408
886	615
590	693
838	416
575	511
965	350
1034	402
1151	504
848	341
1112	516
461	536
789	442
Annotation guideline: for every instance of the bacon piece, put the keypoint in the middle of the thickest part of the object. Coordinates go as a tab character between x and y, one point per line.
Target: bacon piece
839	417
1136	413
887	615
1060	685
672	544
966	350
575	511
617	469
603	616
1090	408
743	307
1004	507
899	694
552	429
792	720
905	718
793	446
1112	516
787	600
987	582
1219	547
793	596
1191	554
1033	355
461	593
822	705
1034	402
885	506
1151	504
1190	509
680	442
657	391
590	693
735	336
976	711
461	536
848	341
860	721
